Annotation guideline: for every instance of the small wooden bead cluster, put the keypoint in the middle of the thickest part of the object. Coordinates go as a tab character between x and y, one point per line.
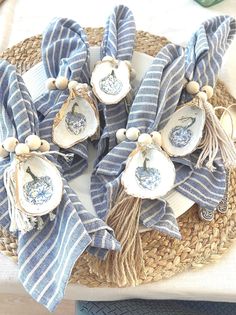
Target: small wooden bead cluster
32	143
134	134
62	83
204	93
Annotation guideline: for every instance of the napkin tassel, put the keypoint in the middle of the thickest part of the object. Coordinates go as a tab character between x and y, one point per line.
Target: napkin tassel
125	267
215	139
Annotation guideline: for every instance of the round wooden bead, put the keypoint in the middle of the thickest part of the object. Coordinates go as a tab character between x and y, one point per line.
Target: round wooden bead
192	87
144	139
3	153
120	135
50	84
10	144
202	96
208	90
156	138
22	148
72	85
45	146
33	142
107	58
132	133
61	83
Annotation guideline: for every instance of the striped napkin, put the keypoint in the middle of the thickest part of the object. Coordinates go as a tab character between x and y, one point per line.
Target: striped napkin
155	101
47	256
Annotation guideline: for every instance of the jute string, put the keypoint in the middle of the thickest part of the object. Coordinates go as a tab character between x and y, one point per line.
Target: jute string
163	257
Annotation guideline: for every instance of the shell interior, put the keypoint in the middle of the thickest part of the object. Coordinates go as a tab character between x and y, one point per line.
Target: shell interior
75	123
184	130
39	186
150	175
110	82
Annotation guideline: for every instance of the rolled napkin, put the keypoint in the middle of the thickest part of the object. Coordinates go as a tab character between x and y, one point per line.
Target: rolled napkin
203	58
118	44
157	98
48	245
65	56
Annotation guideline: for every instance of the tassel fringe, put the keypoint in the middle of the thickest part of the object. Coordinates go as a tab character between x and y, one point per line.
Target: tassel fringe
126	267
214	140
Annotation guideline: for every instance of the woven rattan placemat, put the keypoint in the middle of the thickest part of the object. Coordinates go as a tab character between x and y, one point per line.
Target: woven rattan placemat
164	257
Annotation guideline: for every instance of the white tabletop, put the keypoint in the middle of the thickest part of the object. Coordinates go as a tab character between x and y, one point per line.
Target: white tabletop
175	19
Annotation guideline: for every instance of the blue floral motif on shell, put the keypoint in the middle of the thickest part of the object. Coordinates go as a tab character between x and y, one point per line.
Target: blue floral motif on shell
148	178
39	190
110	84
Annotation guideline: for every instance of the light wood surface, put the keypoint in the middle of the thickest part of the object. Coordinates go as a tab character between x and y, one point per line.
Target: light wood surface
18	304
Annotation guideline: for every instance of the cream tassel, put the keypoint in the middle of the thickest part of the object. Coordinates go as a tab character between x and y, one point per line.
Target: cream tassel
19	220
215	139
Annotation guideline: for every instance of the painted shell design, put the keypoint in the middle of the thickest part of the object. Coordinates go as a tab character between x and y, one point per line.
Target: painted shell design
147	177
110	84
76	121
180	136
39	190
38	186
183	132
149	174
110	80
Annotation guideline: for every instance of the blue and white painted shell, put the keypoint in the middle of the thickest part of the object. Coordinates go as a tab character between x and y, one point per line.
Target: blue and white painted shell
183	132
76	121
149	174
38	186
110	80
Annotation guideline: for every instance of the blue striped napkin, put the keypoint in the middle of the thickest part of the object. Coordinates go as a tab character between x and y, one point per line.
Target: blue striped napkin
65	52
47	256
156	100
203	59
118	42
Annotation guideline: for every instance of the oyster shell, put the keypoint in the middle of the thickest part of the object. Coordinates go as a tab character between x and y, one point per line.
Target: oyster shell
110	80
183	132
76	121
38	186
149	174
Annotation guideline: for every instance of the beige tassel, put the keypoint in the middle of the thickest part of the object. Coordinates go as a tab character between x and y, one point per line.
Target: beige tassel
123	268
215	139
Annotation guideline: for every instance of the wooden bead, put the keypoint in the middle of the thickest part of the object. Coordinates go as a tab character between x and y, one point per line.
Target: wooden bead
132	134
192	87
120	135
107	58
202	96
3	153
208	90
144	139
33	142
61	83
22	148
10	144
50	84
72	85
45	146
156	138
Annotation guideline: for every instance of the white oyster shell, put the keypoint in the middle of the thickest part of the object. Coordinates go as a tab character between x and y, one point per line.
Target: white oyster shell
38	186
76	121
183	132
110	81
150	181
